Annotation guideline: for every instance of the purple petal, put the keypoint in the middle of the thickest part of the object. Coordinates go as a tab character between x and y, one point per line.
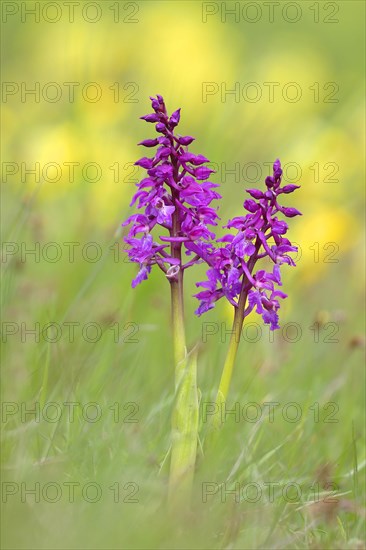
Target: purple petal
149	142
289	188
251	206
290	212
255	193
175	118
196	160
150	118
141	276
202	172
161	128
185	140
270	317
145	162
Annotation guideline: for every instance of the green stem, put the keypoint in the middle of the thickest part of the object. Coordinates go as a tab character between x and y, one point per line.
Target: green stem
227	371
179	339
225	381
230	357
184	437
185	412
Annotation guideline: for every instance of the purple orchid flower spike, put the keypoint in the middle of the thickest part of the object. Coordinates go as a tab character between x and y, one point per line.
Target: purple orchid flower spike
174	203
174	197
174	219
260	234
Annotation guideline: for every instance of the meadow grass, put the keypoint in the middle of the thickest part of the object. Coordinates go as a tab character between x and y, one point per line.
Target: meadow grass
102	482
254	489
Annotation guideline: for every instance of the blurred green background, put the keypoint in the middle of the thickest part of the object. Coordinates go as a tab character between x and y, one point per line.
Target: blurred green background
133	50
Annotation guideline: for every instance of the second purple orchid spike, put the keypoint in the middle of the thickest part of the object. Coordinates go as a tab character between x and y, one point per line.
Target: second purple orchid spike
260	234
